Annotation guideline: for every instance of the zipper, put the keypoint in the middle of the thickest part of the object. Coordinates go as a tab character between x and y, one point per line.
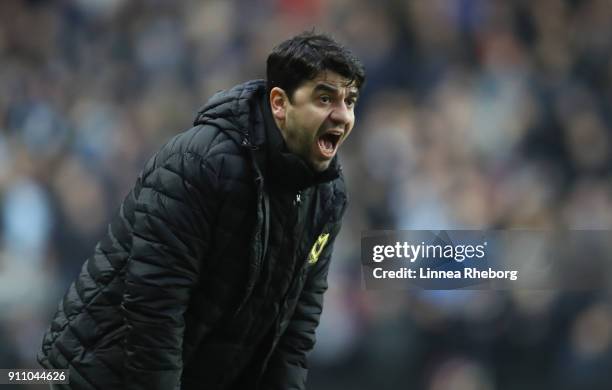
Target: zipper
298	199
264	201
299	275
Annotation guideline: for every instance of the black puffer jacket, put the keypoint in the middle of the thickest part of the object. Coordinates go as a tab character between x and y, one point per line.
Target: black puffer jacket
212	274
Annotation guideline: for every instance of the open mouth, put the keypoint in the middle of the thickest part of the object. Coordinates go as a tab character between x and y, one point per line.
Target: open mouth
328	143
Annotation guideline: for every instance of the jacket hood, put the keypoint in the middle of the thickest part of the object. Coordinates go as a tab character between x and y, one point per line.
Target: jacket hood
235	111
241	113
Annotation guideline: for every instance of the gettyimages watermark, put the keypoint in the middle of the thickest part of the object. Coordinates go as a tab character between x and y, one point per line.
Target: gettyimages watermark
491	259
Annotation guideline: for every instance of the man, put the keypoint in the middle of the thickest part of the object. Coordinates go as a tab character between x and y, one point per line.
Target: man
212	275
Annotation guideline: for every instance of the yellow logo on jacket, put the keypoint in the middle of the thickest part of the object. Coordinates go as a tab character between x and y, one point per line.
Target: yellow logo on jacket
317	248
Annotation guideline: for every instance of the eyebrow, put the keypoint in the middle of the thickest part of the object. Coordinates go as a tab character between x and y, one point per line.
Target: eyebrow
321	87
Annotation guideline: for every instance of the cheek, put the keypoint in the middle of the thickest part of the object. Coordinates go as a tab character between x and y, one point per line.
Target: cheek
351	125
352	120
350	129
309	122
298	134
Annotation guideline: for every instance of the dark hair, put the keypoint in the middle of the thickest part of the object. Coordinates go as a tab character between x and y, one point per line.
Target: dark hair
304	56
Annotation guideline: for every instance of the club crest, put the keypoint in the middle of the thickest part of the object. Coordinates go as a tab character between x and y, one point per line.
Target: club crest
317	248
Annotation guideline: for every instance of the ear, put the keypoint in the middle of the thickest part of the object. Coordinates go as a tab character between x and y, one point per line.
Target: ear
278	103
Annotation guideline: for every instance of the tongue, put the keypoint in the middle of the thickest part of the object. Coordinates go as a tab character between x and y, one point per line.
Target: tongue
327	144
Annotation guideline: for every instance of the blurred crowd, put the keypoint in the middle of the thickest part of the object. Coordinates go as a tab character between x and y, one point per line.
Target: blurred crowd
477	114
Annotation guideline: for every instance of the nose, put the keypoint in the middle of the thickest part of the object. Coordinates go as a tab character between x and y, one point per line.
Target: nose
341	114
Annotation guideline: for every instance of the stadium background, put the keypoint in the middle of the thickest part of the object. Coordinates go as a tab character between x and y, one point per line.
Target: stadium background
477	114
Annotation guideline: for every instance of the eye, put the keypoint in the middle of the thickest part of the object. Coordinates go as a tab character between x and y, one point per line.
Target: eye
325	99
350	103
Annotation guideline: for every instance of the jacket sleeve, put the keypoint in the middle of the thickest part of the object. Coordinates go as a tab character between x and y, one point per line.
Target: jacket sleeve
288	365
173	211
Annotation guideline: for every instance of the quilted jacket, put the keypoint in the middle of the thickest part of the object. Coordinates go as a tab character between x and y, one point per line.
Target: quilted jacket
212	273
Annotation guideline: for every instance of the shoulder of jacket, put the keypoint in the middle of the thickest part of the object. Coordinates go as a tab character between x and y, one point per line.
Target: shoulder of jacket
203	140
206	141
208	144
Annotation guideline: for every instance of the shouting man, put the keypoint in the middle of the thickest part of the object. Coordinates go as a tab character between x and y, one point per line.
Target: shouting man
213	272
